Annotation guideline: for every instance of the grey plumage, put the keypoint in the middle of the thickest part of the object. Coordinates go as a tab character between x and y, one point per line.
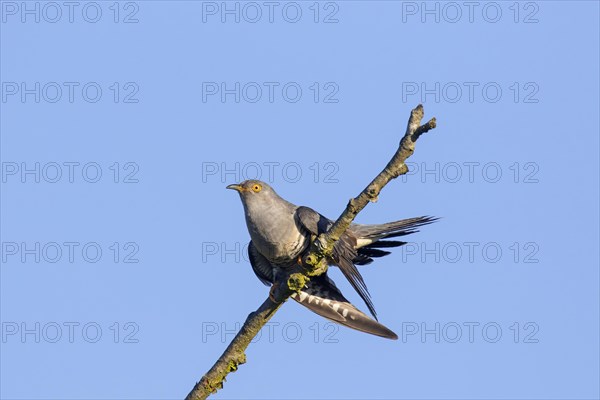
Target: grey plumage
281	232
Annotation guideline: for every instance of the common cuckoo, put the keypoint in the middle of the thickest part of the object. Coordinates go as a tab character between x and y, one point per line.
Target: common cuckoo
281	232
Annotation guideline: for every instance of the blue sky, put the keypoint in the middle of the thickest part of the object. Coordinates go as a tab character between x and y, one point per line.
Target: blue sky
124	271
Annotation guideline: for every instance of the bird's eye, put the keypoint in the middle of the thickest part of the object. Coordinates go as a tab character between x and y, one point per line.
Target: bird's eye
256	188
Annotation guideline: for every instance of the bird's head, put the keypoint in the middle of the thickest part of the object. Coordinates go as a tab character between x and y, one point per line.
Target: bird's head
253	191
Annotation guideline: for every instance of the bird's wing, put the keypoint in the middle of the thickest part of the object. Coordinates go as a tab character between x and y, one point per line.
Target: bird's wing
344	251
260	265
322	297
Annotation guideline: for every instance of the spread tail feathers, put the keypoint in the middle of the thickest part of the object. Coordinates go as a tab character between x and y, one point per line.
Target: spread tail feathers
370	233
370	237
324	298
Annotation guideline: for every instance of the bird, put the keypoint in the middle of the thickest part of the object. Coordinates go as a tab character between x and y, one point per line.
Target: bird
281	232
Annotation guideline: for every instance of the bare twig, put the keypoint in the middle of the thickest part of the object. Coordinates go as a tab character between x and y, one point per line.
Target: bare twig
314	262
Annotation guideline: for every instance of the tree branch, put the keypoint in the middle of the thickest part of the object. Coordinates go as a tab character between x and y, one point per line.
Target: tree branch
313	263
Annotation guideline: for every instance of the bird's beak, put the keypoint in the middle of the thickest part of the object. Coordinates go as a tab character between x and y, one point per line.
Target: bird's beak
235	187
